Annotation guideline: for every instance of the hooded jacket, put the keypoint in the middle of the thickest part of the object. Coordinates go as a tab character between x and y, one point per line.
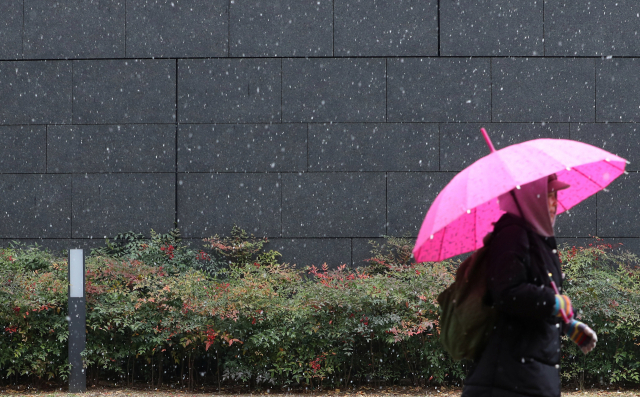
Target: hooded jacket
522	357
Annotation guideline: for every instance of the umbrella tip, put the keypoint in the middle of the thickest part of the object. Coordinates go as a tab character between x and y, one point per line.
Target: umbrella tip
486	138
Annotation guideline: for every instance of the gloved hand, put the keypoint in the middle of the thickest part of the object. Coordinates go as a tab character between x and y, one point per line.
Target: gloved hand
582	335
563	302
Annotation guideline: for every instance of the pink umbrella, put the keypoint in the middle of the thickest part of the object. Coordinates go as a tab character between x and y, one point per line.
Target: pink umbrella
463	212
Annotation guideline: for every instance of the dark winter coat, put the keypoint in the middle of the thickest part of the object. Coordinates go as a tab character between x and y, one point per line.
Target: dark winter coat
522	357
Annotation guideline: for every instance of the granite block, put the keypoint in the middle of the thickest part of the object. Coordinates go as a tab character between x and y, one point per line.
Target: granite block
462	144
299	252
621	139
373	147
578	242
197	243
334	205
35	92
618	82
550	89
57	246
594	28
618	245
177	29
386	28
210	204
35	205
579	221
409	196
304	252
361	250
229	91
124	91
281	28
11	17
439	90
107	204
618	214
325	90
491	28
242	148
23	149
74	29
111	148
626	244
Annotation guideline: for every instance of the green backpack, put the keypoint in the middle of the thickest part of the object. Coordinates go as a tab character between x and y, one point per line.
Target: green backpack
466	320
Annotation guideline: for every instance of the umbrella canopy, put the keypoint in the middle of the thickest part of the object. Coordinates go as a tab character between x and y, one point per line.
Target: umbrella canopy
465	209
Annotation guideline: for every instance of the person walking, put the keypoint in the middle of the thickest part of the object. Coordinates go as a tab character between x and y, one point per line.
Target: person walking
522	356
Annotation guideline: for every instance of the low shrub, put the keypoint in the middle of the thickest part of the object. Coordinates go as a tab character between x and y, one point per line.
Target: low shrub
604	284
160	312
166	250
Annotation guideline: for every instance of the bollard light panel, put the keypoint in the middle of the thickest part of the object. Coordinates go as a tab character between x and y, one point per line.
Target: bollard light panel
77	322
76	273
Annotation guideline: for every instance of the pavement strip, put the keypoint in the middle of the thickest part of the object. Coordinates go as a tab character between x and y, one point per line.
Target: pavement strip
440	392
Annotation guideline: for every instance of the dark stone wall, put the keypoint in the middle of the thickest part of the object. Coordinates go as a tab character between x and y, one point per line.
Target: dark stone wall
321	124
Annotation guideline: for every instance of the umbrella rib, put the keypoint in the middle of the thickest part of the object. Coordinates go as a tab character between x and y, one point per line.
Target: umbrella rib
444	231
563	207
475	225
589	179
613	166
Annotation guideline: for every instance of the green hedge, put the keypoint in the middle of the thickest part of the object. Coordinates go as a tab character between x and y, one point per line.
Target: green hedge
161	313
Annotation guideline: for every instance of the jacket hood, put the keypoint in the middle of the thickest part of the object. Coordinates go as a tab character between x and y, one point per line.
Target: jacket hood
531	205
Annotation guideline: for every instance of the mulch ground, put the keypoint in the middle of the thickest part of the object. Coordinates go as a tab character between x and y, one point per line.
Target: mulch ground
362	392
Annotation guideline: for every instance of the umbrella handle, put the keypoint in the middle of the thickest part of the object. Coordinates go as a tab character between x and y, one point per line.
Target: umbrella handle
564	315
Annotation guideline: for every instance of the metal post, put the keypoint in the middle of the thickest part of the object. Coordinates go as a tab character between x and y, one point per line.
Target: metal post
77	321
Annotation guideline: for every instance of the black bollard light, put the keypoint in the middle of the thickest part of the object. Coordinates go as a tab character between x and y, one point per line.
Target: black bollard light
77	322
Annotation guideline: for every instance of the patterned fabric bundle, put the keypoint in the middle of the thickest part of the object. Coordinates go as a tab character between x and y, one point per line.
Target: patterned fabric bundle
576	332
563	302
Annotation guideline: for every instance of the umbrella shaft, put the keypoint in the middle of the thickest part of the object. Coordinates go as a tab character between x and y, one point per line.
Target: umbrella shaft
564	315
